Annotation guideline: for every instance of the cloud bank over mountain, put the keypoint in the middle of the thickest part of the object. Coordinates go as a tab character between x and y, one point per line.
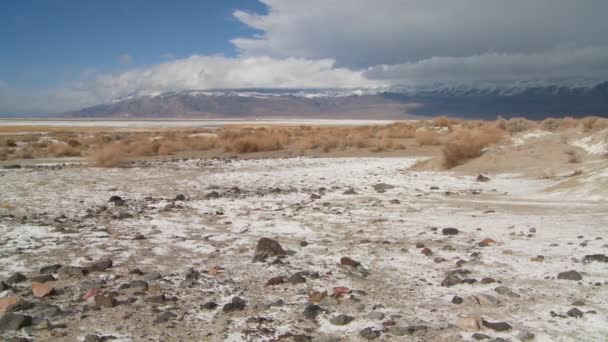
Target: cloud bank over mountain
359	43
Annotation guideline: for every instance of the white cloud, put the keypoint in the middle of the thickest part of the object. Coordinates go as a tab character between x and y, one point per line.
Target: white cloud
125	58
167	55
363	33
195	72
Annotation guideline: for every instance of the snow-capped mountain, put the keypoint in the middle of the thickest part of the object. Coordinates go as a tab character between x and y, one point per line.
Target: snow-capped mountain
535	100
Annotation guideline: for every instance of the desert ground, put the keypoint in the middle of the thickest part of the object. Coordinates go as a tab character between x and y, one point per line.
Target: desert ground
443	230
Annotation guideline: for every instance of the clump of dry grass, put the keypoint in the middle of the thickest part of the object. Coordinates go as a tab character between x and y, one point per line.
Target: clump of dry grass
254	144
109	155
593	123
573	157
517	125
427	138
62	150
466	144
4	153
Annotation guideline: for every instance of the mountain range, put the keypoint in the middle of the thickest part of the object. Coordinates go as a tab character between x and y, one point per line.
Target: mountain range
396	102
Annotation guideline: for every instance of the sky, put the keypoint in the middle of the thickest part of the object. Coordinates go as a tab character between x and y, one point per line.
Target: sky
57	55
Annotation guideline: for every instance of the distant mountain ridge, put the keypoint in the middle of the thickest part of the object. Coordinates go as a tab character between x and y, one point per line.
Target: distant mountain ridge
532	101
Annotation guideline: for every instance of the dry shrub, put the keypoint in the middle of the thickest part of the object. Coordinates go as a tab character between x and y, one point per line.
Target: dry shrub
145	147
62	150
516	125
10	143
573	157
593	123
466	144
400	130
427	138
108	155
3	153
254	144
24	153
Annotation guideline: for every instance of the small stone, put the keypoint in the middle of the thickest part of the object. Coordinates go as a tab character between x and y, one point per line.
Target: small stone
505	291
180	197
212	195
312	311
329	301
457	300
346	261
496	326
316	297
41	290
426	251
139	284
296	279
99	266
369	334
487	242
482	178
538	258
3	286
419	245
350	191
92	338
209	306
570	275
266	248
479	337
15	279
275	281
164	317
106	301
579	303
574	312
50	269
451	280
303	243
487	281
69	272
237	304
9	303
42	278
587	259
139	237
341	320
450	231
152	276
12	321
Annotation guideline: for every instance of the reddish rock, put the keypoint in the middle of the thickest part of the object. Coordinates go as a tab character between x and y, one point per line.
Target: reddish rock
346	261
92	293
426	251
341	291
486	242
8	303
41	290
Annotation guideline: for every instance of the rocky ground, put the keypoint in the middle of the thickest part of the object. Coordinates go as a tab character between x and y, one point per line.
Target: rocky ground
297	249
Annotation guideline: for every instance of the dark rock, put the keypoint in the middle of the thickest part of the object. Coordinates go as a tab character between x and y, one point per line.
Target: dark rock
496	326
136	271
487	281
164	317
237	304
482	178
266	248
275	281
3	286
209	306
570	275
92	338
138	284
369	334
346	261
457	300
469	281
42	278
180	197
341	320
479	337
212	195
574	312
296	279
450	231
419	245
312	311
139	237
99	266
451	280
15	279
579	303
426	251
595	258
50	269
117	200
382	187
303	244
12	321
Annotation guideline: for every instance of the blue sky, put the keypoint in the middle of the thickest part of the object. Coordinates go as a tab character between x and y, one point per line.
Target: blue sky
44	42
58	55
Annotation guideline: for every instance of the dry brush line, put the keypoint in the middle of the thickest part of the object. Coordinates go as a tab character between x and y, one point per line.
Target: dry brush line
467	144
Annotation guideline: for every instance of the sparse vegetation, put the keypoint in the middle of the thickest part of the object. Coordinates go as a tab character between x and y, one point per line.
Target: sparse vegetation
469	143
427	138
